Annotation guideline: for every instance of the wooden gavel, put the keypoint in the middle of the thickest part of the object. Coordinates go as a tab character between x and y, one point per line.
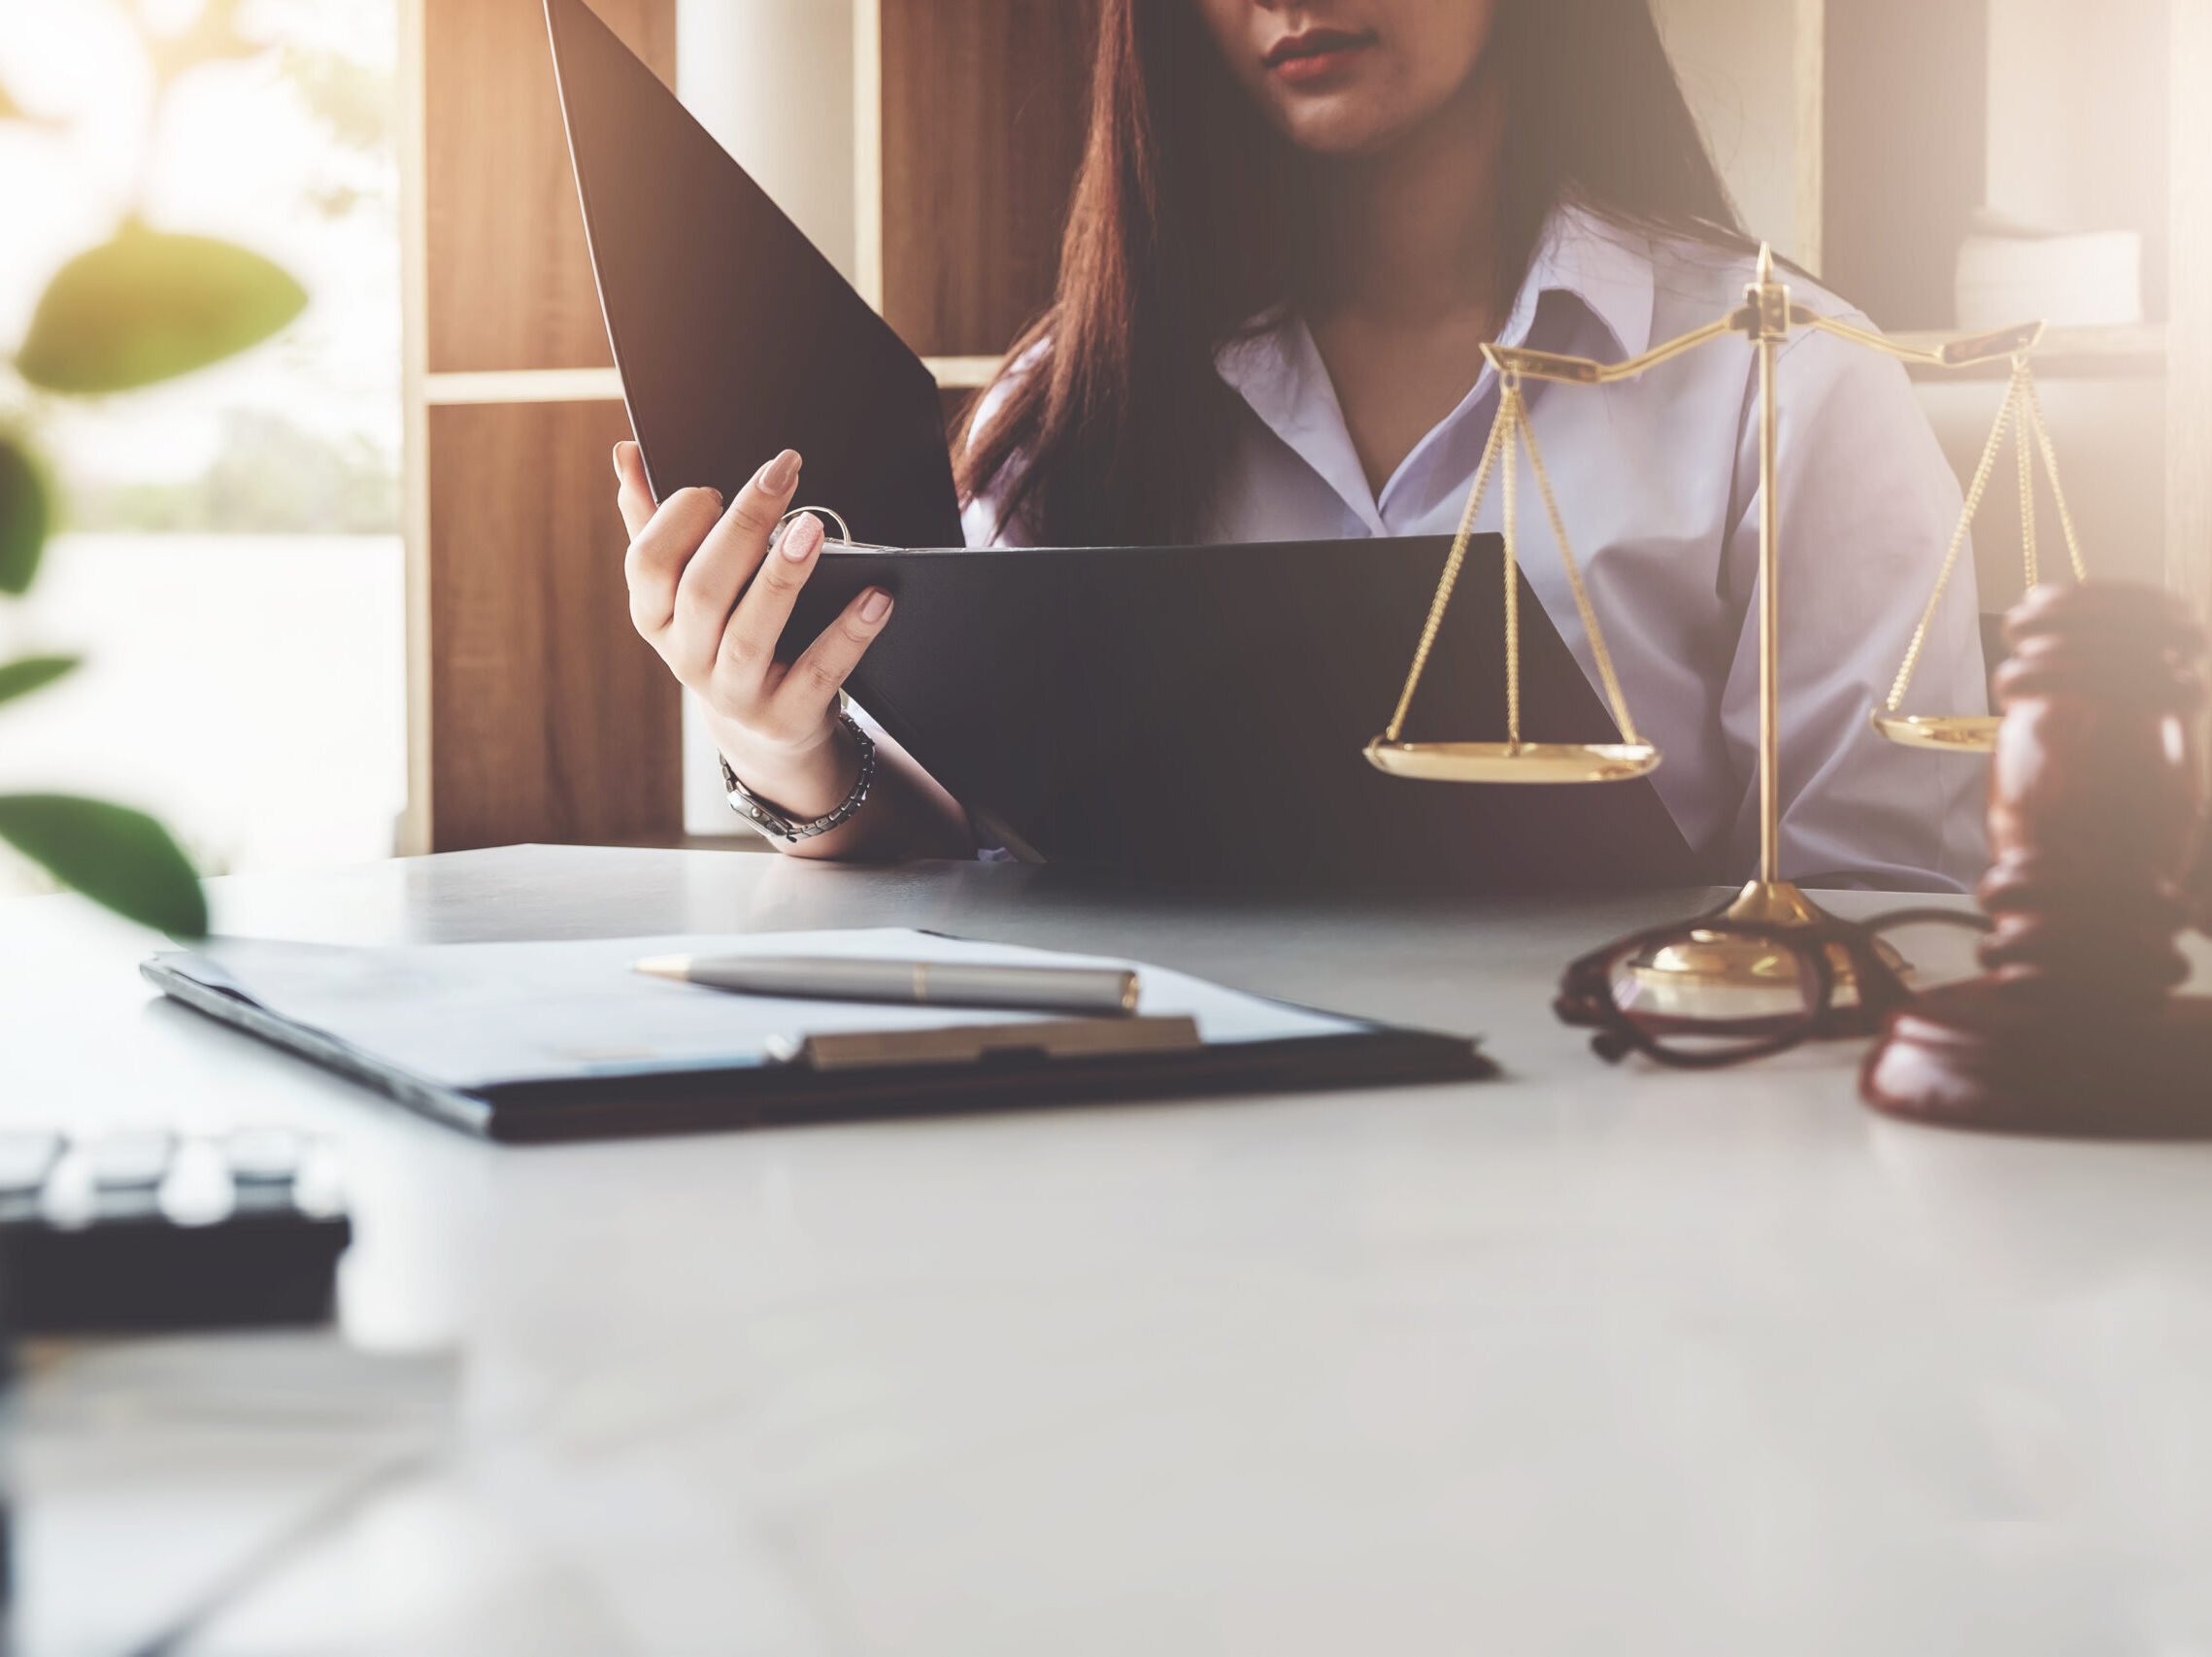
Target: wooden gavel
2097	829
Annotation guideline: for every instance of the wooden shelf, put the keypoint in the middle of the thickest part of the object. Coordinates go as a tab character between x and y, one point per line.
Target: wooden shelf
1912	114
962	373
2122	351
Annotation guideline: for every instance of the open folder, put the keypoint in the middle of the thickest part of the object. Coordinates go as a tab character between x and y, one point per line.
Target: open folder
537	1041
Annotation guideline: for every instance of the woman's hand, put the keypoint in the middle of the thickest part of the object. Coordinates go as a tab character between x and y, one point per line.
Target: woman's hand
689	561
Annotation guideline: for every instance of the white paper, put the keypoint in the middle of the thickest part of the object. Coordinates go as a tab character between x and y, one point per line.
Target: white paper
471	1016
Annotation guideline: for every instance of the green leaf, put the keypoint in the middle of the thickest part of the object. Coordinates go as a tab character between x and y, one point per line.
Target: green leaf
115	856
28	673
26	514
147	305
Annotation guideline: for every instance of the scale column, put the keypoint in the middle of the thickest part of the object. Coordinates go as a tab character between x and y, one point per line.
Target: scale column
1770	308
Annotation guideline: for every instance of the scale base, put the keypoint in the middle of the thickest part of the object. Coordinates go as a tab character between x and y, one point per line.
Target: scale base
1972	1055
1712	973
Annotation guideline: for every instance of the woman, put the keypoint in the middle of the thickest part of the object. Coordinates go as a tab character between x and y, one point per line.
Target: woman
1294	229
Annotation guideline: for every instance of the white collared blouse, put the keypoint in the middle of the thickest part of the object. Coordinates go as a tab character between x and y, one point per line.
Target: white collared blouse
1658	483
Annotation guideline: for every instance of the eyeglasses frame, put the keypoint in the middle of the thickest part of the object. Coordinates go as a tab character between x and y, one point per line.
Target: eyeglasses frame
1586	998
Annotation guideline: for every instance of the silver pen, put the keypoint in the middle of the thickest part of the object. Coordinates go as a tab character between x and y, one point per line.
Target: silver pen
1105	989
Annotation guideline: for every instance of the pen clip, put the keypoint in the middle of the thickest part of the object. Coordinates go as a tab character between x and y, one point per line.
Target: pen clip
974	1043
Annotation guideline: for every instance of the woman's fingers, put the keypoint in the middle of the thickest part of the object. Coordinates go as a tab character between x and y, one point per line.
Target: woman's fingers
761	503
749	642
661	550
819	674
726	561
658	553
632	494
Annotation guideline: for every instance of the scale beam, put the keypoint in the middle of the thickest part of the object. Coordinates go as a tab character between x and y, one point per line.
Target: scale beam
2015	342
2020	340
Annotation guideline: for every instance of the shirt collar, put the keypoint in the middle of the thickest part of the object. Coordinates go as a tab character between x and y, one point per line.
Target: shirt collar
1274	365
1276	368
1602	265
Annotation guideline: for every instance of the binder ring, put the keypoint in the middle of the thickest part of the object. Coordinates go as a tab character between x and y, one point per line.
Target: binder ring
844	532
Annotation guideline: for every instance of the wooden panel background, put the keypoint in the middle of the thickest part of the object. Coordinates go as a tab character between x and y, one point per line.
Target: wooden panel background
510	281
984	105
553	720
540	713
1903	152
2188	330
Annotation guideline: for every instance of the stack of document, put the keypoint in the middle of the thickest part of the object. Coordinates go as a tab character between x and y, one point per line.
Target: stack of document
2011	272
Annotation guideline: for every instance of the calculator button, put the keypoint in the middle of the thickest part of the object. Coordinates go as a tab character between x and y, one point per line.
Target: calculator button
263	1155
198	1191
125	1161
26	1158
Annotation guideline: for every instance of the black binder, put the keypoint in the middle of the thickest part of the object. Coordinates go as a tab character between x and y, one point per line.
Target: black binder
1199	714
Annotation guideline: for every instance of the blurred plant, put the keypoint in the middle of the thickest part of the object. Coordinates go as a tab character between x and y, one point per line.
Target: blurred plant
352	100
144	306
353	104
270	476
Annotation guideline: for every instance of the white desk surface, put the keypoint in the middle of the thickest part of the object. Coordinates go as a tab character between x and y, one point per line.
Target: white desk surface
1585	1360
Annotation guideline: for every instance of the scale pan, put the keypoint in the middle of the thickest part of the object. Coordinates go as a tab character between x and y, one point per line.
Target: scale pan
1513	762
1957	733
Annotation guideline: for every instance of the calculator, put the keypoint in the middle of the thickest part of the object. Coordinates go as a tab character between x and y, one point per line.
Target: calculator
145	1229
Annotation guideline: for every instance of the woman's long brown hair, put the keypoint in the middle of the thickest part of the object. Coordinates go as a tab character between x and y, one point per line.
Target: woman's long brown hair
1190	216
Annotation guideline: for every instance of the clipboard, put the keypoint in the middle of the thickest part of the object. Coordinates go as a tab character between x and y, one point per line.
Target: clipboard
532	1043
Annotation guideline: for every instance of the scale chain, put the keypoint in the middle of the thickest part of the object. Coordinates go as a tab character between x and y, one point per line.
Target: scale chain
1604	658
2026	477
1451	579
1974	505
1512	427
2034	402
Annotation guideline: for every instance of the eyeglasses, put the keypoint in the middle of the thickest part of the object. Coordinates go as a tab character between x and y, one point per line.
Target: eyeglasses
1702	994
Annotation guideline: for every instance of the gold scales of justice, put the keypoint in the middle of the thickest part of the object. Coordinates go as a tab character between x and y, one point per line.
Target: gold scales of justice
1712	960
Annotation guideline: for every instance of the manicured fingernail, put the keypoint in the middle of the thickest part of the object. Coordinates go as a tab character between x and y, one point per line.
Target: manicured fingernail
801	539
780	473
876	606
